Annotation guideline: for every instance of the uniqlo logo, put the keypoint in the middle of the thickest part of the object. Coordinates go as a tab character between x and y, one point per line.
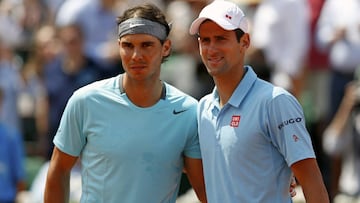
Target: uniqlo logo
235	120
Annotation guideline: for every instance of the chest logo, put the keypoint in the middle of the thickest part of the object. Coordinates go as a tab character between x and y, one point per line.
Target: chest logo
180	111
235	120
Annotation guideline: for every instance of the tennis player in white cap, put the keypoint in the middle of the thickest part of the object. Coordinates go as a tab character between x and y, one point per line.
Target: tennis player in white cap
252	134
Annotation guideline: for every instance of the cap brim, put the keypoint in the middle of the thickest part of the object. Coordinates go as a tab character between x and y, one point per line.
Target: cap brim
194	28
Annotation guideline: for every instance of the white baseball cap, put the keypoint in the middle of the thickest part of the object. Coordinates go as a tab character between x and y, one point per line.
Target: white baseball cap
224	13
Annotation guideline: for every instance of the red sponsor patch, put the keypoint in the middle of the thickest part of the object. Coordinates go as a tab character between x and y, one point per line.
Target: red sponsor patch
227	16
235	120
296	138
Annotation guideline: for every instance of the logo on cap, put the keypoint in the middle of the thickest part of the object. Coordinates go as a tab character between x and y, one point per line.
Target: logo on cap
228	17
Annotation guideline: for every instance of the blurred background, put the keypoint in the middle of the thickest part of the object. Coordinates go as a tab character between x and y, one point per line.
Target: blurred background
49	48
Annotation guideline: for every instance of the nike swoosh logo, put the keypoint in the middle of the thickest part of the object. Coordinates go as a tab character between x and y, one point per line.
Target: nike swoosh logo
177	112
135	25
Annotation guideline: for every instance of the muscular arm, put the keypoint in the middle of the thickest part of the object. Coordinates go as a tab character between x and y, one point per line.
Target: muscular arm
194	172
309	176
58	178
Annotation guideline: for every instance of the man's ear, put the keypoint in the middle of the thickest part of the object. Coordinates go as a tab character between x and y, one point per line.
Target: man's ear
245	40
167	47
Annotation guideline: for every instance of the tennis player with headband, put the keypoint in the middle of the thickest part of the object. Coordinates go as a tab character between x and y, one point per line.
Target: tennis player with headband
133	134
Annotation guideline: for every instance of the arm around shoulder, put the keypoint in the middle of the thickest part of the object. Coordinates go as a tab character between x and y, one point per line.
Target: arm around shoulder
308	174
58	178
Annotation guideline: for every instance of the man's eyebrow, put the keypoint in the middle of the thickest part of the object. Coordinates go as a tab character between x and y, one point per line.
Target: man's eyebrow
148	42
125	43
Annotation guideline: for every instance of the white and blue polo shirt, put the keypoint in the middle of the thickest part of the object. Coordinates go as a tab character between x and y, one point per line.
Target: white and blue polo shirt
249	145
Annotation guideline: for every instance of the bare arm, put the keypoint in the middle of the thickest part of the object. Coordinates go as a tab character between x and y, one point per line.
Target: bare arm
343	113
309	176
58	178
194	171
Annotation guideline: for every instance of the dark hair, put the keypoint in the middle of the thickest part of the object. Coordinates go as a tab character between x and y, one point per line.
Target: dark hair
239	33
147	11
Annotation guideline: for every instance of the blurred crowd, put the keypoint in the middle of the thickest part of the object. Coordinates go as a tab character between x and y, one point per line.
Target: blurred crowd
49	48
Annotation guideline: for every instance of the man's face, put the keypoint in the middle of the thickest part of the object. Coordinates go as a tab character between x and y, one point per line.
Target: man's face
142	54
72	41
219	49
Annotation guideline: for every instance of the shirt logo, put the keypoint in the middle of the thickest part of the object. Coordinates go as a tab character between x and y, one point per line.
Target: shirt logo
177	112
296	138
235	120
289	121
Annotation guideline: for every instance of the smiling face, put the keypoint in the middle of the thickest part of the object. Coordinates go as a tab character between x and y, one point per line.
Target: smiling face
142	55
220	51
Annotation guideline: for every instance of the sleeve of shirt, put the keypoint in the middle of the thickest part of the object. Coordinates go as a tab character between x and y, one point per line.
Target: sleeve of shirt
192	148
287	129
325	29
69	137
297	27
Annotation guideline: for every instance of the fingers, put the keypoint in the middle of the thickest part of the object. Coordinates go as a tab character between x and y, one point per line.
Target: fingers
292	192
292	187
